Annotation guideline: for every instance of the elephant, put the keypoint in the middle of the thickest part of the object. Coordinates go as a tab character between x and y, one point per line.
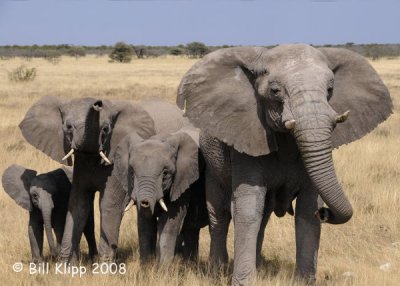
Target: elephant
90	129
45	196
269	120
166	169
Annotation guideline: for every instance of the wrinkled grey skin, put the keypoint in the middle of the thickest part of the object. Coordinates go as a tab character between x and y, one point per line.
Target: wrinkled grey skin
165	166
45	196
241	99
87	125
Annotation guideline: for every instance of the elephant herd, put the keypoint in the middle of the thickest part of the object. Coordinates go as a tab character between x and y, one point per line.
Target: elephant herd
257	133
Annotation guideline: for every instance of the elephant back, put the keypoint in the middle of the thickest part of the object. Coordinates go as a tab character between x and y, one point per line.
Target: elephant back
167	117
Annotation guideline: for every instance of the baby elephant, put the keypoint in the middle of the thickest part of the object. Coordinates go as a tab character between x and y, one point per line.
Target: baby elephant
163	176
46	197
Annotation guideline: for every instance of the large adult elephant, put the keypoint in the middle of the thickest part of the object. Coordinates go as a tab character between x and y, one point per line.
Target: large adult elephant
90	129
268	119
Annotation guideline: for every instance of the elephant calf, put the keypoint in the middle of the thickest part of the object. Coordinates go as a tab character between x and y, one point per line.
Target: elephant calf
46	197
163	176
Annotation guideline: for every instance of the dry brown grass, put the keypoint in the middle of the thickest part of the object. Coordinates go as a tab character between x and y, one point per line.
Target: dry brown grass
368	169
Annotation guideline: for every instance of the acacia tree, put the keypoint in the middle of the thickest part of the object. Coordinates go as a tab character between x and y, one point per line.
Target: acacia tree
196	49
121	53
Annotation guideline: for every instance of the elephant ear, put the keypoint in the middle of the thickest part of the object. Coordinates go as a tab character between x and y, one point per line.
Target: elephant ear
128	118
16	183
187	162
358	88
221	99
42	128
121	160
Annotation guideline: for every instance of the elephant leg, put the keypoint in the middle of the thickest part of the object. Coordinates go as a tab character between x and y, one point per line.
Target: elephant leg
112	204
191	243
58	231
260	237
80	204
90	236
248	207
308	230
35	232
169	226
219	218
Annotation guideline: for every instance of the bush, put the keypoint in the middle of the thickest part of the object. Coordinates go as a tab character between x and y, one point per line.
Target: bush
121	53
176	51
22	74
196	49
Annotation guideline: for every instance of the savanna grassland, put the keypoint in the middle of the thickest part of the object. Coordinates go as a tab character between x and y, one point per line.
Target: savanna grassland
350	254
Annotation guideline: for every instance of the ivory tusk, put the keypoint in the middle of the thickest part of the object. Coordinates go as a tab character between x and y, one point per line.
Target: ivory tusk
342	118
104	158
290	124
130	204
68	155
162	204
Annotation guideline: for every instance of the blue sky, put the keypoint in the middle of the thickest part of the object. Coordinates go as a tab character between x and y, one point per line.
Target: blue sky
218	22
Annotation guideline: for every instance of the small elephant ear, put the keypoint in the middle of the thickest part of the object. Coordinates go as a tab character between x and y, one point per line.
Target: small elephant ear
358	88
16	182
187	162
220	98
42	128
121	160
129	118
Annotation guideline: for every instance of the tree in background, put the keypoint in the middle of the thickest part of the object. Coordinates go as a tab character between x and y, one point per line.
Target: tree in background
121	53
196	49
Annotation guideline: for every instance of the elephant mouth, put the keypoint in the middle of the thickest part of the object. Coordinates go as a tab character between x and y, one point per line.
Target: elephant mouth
101	153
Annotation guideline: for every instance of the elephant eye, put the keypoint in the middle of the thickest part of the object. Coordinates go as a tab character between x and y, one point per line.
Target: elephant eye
330	89
68	126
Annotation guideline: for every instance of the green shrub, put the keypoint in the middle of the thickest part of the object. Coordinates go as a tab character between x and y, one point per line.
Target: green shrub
121	53
196	49
22	74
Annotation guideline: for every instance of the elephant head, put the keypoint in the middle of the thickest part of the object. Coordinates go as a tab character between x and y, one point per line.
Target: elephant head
161	167
247	97
38	191
60	127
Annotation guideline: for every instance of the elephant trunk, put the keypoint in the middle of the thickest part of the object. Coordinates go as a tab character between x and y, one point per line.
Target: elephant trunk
148	193
46	214
316	150
91	130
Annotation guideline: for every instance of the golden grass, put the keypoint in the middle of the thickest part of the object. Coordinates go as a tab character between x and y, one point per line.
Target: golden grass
369	170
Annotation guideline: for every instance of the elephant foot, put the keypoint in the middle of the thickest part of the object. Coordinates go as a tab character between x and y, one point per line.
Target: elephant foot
306	278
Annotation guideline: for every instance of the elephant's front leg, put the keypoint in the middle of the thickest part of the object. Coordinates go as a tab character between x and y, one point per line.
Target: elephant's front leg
260	237
147	232
308	230
218	201
90	236
79	206
35	232
169	226
248	200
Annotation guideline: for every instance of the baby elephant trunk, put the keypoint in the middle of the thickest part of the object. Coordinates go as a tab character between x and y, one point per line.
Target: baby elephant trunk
46	213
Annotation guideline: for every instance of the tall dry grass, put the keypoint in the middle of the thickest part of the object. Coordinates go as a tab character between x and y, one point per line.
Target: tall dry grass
350	254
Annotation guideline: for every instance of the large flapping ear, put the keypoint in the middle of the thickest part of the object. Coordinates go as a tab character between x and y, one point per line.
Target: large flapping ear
220	98
129	118
42	128
121	160
187	162
16	182
358	88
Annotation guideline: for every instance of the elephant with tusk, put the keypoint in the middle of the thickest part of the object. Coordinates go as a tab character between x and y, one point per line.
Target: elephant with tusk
164	177
90	129
269	117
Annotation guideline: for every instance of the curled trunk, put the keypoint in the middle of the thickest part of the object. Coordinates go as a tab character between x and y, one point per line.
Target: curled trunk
316	150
